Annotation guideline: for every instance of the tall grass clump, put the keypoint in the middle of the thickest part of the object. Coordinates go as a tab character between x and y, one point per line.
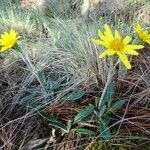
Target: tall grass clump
27	22
73	42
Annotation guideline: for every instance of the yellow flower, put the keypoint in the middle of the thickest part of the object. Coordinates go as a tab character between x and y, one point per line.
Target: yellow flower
114	44
8	40
143	34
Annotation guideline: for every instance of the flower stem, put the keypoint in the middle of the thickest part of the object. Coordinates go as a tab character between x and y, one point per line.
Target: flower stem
109	79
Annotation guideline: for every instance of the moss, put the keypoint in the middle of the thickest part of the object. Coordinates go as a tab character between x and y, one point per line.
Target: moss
111	145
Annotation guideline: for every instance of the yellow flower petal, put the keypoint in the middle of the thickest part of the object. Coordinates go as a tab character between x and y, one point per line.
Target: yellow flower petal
19	37
131	52
96	41
132	47
110	52
125	60
13	33
103	54
100	34
3	49
127	39
108	32
148	41
103	37
117	35
99	42
137	27
107	52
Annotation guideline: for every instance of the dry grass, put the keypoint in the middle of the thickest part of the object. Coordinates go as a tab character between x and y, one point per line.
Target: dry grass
61	48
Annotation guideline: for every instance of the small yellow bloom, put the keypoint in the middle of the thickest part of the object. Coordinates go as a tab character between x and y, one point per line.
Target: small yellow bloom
8	40
143	34
114	44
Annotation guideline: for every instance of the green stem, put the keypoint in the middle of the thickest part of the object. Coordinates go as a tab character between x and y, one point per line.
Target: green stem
109	79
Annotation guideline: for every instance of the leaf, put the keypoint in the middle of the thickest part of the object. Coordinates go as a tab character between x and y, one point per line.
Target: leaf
33	89
101	111
49	84
46	116
53	85
105	131
42	77
59	125
83	131
108	95
53	121
26	99
106	118
97	99
117	105
83	114
36	104
75	95
69	124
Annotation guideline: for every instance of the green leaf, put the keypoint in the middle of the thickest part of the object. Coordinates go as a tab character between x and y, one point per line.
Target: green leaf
106	118
83	114
83	131
101	111
108	95
59	125
97	99
105	131
50	84
117	105
69	124
26	99
53	121
42	77
75	95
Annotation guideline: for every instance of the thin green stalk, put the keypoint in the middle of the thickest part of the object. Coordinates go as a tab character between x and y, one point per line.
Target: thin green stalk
109	79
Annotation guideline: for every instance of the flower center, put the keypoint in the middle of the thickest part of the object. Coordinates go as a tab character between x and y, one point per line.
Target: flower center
10	42
117	45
